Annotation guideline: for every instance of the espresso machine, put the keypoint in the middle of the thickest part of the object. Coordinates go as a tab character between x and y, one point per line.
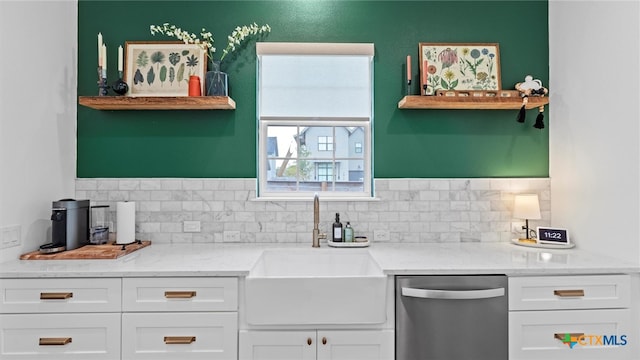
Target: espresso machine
69	225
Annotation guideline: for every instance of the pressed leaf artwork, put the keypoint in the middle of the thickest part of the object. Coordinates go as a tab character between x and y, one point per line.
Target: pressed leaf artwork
174	58
151	76
138	78
157	58
180	73
172	74
163	74
159	68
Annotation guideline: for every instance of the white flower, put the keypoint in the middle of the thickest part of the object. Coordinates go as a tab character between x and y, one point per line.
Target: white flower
206	40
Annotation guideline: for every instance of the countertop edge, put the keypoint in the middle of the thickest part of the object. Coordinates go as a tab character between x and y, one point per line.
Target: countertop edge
236	260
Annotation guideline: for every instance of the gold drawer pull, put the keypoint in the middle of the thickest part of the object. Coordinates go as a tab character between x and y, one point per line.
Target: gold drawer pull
179	339
54	341
179	294
568	293
56	296
563	336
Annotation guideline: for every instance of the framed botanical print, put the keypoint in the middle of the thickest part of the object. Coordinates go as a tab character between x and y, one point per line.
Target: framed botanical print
459	66
162	68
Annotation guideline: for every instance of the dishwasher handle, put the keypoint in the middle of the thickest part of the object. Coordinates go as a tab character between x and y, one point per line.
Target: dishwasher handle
453	294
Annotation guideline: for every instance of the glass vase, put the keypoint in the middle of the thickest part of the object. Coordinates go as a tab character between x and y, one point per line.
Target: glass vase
216	81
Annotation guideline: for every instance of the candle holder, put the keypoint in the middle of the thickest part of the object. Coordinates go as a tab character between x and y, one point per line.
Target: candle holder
102	82
409	87
119	86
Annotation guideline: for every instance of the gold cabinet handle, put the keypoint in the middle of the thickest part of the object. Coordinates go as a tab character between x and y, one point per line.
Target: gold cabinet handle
179	294
309	341
563	336
568	293
54	341
179	339
56	295
324	340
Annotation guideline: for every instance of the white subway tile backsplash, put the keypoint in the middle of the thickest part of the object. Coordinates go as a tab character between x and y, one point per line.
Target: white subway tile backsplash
153	184
128	184
411	210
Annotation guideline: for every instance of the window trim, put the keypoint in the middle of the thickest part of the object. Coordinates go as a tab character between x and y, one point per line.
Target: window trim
285	48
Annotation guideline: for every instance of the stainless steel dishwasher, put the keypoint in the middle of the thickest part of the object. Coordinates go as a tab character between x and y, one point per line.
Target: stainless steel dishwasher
452	317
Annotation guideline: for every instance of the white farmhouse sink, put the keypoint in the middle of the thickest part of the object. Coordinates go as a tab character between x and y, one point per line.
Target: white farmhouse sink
315	286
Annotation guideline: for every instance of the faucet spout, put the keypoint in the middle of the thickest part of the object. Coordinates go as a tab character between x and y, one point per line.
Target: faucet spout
316	220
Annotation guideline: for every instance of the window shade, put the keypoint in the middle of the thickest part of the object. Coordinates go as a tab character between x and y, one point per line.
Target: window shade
315	80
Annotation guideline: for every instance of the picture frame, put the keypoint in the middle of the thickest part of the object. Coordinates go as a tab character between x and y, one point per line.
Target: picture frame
162	68
459	66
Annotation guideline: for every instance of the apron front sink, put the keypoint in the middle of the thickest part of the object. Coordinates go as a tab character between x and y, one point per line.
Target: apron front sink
315	287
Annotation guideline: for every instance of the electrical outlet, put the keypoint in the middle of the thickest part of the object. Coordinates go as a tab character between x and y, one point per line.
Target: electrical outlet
10	236
517	227
381	235
191	226
231	236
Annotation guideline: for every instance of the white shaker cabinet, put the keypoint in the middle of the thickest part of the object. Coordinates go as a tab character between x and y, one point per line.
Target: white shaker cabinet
570	317
60	319
316	345
180	318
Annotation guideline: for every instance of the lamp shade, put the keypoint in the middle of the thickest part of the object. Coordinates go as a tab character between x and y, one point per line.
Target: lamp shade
526	206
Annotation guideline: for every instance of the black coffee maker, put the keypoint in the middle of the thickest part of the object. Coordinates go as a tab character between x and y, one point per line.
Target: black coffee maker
69	225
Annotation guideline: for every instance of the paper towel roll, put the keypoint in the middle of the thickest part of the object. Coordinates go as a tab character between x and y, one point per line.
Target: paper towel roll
126	222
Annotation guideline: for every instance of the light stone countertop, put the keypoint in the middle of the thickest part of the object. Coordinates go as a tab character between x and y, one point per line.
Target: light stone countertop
394	258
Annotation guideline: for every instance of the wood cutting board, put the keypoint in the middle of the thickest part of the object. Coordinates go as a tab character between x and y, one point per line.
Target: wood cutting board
104	251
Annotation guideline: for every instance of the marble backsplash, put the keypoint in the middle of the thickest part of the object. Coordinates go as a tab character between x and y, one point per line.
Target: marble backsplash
405	210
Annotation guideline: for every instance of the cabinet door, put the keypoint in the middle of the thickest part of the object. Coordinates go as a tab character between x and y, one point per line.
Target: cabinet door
571	334
277	345
355	345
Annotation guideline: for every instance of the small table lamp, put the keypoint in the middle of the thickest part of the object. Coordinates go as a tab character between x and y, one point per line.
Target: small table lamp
526	206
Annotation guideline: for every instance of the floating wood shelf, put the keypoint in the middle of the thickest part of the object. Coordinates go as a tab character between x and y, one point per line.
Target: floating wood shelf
158	102
463	102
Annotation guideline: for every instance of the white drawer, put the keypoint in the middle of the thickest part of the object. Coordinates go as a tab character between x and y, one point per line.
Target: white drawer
605	335
60	295
569	292
211	336
63	336
180	294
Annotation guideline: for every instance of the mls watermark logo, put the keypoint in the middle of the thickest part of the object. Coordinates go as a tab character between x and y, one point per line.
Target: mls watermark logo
573	339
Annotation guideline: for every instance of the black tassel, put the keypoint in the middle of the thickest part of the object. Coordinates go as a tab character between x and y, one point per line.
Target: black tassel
539	121
521	115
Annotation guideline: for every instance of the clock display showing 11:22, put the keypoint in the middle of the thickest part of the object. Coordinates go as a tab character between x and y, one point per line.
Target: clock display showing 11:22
549	235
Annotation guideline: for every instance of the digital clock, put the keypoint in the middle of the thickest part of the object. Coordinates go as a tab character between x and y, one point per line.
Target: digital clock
549	235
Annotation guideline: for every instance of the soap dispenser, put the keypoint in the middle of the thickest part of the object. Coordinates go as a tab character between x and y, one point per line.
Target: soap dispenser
337	229
348	233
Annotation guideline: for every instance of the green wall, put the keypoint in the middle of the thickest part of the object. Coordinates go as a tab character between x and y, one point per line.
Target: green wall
407	143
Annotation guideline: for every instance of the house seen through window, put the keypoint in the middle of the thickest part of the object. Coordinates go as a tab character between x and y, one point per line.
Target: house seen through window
314	120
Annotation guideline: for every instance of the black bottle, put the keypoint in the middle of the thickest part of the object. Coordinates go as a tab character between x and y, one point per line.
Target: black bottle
337	229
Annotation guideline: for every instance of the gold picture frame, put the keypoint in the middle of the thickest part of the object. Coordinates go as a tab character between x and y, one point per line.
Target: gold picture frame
162	68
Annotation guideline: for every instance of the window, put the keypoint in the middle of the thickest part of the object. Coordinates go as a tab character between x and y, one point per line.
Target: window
325	143
314	120
324	171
